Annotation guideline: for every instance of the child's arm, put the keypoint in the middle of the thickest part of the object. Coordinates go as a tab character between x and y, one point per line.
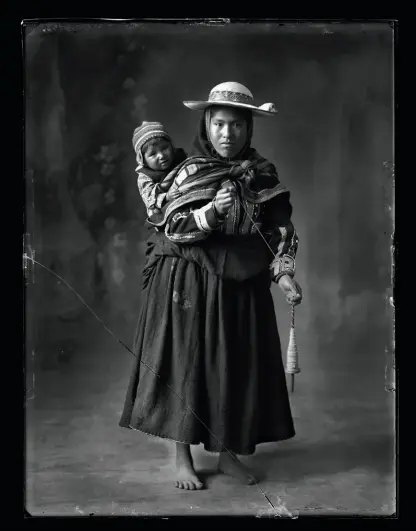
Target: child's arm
150	192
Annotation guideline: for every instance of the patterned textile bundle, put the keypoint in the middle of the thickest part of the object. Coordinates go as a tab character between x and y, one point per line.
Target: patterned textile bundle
199	178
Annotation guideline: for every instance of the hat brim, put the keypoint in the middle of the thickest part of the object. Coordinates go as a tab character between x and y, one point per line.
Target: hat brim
202	105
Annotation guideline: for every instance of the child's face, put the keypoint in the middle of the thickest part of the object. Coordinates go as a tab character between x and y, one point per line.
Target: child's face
158	154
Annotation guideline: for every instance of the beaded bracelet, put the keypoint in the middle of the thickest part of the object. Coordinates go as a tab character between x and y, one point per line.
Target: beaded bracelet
284	265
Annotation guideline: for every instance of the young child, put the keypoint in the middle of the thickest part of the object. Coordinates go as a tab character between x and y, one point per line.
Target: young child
156	156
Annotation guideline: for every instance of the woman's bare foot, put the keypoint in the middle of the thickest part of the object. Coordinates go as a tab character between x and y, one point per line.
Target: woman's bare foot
186	476
230	465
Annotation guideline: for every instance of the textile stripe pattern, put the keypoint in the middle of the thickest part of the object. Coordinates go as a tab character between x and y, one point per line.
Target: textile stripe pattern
215	342
199	178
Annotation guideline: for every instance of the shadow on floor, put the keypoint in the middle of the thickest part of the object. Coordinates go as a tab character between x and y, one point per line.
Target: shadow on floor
328	458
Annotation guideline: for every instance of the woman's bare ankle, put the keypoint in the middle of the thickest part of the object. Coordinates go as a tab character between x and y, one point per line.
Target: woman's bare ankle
229	464
183	453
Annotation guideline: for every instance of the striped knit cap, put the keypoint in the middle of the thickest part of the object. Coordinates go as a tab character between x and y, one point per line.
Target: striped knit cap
147	131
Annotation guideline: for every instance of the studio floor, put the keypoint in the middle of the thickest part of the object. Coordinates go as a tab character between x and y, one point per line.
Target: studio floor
79	462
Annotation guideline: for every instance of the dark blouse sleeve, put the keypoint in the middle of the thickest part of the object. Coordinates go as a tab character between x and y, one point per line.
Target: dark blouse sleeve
278	228
192	225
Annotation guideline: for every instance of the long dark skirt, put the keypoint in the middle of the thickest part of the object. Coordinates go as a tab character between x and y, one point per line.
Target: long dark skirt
209	366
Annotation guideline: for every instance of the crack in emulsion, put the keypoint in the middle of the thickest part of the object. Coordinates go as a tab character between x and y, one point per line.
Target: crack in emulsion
27	275
390	350
33	383
279	510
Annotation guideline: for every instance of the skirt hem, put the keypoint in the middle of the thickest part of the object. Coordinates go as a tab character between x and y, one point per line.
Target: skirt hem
210	449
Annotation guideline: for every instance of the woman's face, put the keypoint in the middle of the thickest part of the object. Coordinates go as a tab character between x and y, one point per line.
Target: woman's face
228	131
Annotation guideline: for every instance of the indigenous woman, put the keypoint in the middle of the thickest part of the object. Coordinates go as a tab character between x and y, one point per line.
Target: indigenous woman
209	366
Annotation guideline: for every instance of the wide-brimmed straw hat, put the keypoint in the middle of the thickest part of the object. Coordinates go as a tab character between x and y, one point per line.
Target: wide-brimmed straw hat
232	94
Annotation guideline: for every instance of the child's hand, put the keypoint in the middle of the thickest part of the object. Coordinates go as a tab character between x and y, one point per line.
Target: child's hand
224	200
154	211
172	194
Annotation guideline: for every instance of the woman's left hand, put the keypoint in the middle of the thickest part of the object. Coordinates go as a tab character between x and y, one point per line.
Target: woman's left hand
291	289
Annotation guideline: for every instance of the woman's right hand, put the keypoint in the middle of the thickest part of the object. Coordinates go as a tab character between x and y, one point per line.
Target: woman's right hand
224	200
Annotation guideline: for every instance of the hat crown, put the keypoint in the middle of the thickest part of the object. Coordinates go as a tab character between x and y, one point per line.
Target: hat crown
231	91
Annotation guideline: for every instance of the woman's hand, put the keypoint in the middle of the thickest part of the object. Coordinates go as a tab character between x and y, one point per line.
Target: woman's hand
224	200
291	289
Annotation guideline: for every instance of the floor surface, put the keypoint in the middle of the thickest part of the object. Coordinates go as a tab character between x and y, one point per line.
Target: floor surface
79	462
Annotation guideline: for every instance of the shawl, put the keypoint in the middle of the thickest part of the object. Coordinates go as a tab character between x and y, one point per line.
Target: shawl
202	174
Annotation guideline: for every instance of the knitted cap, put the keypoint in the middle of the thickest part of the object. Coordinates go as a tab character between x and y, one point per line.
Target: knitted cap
147	131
